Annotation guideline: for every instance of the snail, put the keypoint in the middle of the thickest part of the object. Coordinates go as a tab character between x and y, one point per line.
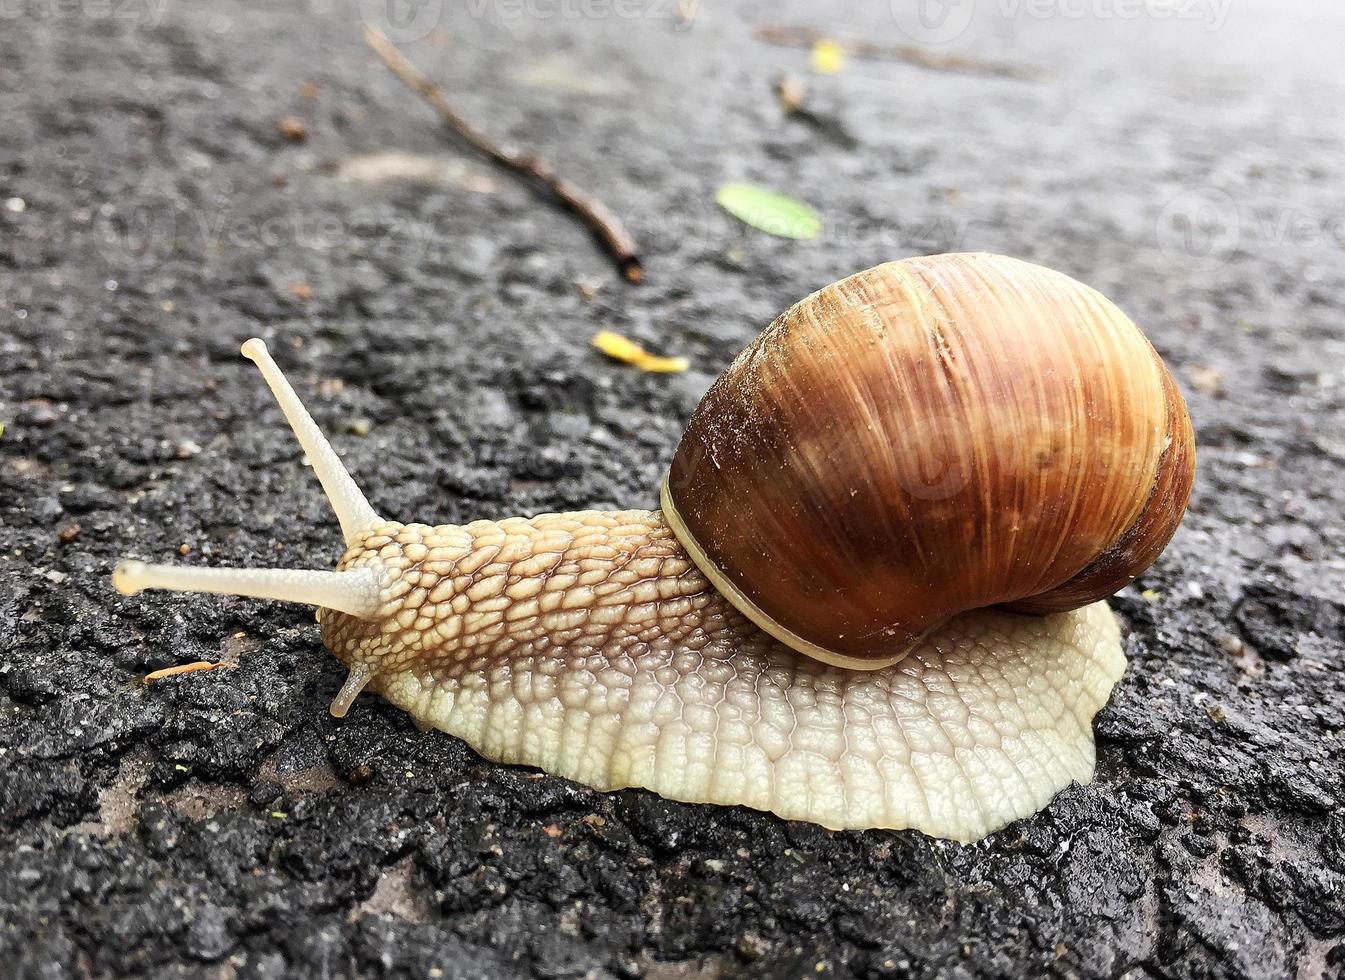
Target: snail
872	596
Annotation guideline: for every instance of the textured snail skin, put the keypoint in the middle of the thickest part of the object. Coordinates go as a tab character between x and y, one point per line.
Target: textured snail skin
927	437
589	645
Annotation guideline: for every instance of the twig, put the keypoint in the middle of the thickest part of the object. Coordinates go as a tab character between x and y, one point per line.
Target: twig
590	210
805	37
191	668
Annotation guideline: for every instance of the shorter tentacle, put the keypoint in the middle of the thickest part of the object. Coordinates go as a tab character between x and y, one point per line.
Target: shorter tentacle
360	675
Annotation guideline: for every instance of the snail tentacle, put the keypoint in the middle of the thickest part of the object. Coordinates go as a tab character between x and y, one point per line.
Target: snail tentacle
347	500
355	592
359	676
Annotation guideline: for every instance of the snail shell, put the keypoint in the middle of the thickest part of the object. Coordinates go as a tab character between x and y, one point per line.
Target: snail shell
928	437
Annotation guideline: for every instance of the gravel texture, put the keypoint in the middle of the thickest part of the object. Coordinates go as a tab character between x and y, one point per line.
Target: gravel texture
154	212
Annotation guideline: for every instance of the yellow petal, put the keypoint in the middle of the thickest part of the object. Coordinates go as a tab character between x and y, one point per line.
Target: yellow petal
628	351
828	57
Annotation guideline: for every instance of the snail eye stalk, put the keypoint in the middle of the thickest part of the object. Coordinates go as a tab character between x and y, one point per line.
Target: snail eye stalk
355	591
352	509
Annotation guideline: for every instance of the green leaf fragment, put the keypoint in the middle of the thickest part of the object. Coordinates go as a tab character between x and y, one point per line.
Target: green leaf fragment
775	214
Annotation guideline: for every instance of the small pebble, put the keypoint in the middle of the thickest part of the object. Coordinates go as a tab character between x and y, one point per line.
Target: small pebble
39	411
750	946
265	793
293	129
16	205
1206	379
791	93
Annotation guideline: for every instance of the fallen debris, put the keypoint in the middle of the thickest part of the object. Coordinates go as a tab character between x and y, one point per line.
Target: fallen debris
196	667
769	211
591	211
791	93
794	36
293	129
375	168
827	57
629	352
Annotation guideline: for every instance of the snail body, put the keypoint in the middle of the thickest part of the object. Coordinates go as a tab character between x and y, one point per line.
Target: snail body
813	624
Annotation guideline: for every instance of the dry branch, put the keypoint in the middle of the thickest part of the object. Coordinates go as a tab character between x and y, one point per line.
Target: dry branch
540	173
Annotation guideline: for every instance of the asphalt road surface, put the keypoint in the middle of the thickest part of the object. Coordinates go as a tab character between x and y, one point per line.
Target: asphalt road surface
1184	157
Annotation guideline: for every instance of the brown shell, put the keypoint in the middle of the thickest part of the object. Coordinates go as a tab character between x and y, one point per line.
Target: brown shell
926	437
